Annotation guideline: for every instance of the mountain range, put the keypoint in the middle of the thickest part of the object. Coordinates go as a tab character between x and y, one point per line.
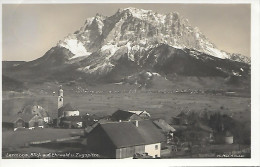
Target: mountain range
132	43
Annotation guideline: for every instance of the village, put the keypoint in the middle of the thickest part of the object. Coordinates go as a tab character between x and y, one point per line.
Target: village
127	133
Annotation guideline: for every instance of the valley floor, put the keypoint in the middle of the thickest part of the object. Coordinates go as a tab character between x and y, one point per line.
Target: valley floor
160	104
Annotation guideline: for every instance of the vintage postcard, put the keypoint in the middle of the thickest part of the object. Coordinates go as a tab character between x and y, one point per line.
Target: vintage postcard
165	80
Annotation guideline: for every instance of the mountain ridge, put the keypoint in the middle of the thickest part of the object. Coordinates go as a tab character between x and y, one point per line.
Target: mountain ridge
110	49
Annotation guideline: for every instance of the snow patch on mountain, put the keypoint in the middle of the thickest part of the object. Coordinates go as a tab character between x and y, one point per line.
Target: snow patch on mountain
74	46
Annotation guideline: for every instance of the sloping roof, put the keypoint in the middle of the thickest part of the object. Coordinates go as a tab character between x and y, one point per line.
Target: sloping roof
40	110
163	125
88	129
140	113
27	117
121	115
67	107
136	112
124	134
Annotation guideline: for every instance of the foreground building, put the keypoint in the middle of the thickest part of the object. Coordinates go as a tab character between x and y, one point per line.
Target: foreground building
126	139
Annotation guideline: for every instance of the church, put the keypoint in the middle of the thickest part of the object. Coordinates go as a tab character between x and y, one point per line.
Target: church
68	116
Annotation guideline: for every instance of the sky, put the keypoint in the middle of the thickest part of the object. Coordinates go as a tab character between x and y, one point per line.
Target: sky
30	30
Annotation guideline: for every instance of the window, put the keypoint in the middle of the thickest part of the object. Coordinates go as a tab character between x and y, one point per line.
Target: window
156	147
156	156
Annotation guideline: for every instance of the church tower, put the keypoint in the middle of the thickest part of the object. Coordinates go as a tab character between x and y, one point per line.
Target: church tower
60	98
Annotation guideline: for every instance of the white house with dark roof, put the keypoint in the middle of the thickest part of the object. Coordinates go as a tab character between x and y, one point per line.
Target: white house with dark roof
126	139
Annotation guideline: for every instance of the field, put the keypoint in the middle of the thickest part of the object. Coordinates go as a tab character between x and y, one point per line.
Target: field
20	141
160	104
104	101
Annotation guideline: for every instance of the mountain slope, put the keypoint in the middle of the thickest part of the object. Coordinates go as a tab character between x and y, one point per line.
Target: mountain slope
110	49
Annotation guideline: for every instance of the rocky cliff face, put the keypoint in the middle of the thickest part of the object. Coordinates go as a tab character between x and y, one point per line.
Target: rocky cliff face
133	40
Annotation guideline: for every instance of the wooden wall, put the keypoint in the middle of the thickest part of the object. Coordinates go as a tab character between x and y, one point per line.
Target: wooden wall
99	142
128	152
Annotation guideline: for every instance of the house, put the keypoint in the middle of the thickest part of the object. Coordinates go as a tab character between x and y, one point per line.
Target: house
23	120
31	116
36	109
13	122
89	120
121	115
142	114
126	139
34	121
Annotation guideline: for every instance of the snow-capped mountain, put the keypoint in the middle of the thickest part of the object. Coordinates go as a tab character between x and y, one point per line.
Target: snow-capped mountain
133	30
133	40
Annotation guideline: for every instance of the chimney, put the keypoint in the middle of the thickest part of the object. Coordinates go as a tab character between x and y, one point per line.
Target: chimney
136	123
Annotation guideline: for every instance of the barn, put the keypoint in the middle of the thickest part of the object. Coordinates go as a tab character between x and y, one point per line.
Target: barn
126	139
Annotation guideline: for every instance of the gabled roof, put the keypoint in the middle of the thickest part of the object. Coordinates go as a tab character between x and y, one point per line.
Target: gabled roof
140	113
40	111
67	107
121	115
163	125
26	117
31	118
136	112
125	134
